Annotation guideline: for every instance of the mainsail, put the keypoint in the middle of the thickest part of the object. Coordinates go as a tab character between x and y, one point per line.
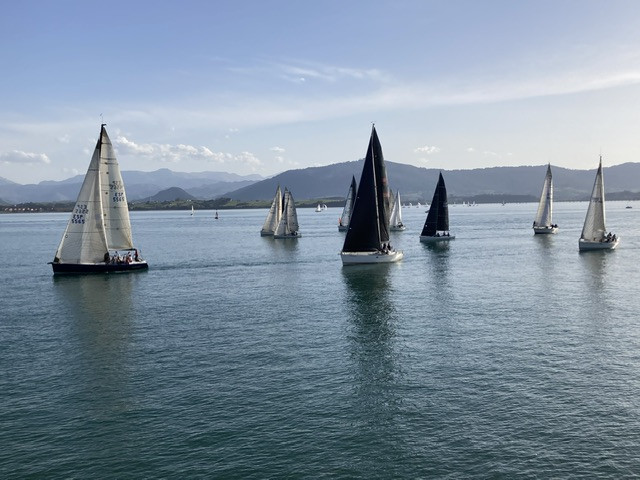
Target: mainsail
369	224
594	223
273	217
114	204
545	207
84	240
395	220
438	216
288	224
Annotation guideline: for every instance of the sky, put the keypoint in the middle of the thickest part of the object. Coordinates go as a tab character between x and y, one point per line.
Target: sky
264	86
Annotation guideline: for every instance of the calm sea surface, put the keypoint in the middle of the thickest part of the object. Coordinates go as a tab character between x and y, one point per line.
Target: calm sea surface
501	354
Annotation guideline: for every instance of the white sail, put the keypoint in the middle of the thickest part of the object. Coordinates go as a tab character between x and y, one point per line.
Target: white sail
288	225
395	220
114	204
545	206
273	217
346	211
594	229
84	240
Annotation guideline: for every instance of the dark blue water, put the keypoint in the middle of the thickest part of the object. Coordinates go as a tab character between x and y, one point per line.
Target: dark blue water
498	355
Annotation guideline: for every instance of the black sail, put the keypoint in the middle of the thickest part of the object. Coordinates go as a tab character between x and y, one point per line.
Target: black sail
438	216
369	224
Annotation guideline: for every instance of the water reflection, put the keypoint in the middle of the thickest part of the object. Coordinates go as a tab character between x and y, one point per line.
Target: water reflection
594	282
100	312
373	350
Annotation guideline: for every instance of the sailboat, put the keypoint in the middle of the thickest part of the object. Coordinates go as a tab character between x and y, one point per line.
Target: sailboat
367	239
436	226
594	233
543	221
273	217
288	225
395	220
319	208
192	210
100	221
216	216
343	222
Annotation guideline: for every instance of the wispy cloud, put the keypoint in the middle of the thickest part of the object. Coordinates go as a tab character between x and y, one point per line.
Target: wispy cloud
427	149
277	149
25	158
181	152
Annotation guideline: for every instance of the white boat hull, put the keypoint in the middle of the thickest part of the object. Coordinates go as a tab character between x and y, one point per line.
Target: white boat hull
586	245
545	230
357	258
397	229
441	238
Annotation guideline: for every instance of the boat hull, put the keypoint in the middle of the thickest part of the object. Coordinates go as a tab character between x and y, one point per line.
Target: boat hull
358	258
397	229
343	228
430	239
585	245
545	230
79	268
266	234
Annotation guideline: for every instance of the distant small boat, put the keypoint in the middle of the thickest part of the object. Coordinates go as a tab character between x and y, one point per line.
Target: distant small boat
343	221
319	208
216	216
192	210
273	217
100	221
628	206
367	240
288	225
543	223
436	226
594	232
395	220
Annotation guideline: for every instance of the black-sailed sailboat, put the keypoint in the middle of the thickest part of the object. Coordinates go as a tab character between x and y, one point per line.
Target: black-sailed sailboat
367	239
436	226
99	226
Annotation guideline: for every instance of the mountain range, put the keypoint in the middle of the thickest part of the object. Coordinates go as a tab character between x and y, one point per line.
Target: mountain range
332	181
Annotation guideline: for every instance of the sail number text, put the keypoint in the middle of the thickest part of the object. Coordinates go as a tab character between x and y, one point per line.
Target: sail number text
78	214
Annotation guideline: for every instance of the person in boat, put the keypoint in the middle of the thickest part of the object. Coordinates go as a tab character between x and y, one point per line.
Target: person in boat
339	221
107	258
136	258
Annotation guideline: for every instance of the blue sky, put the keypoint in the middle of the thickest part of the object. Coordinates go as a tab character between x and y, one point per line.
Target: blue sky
266	86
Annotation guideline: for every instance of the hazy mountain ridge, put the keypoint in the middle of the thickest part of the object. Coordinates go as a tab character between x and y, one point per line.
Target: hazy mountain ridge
332	181
417	183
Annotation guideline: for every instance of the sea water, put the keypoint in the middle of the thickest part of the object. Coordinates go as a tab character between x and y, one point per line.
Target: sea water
498	354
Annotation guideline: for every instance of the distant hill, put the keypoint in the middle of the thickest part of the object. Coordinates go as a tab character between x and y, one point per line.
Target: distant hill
417	184
171	194
140	185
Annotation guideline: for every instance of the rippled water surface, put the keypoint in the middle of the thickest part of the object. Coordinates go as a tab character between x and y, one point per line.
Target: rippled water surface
501	354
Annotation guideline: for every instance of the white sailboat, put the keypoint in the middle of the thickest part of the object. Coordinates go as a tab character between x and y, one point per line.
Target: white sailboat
192	210
288	225
99	223
273	217
543	223
395	220
319	208
594	232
